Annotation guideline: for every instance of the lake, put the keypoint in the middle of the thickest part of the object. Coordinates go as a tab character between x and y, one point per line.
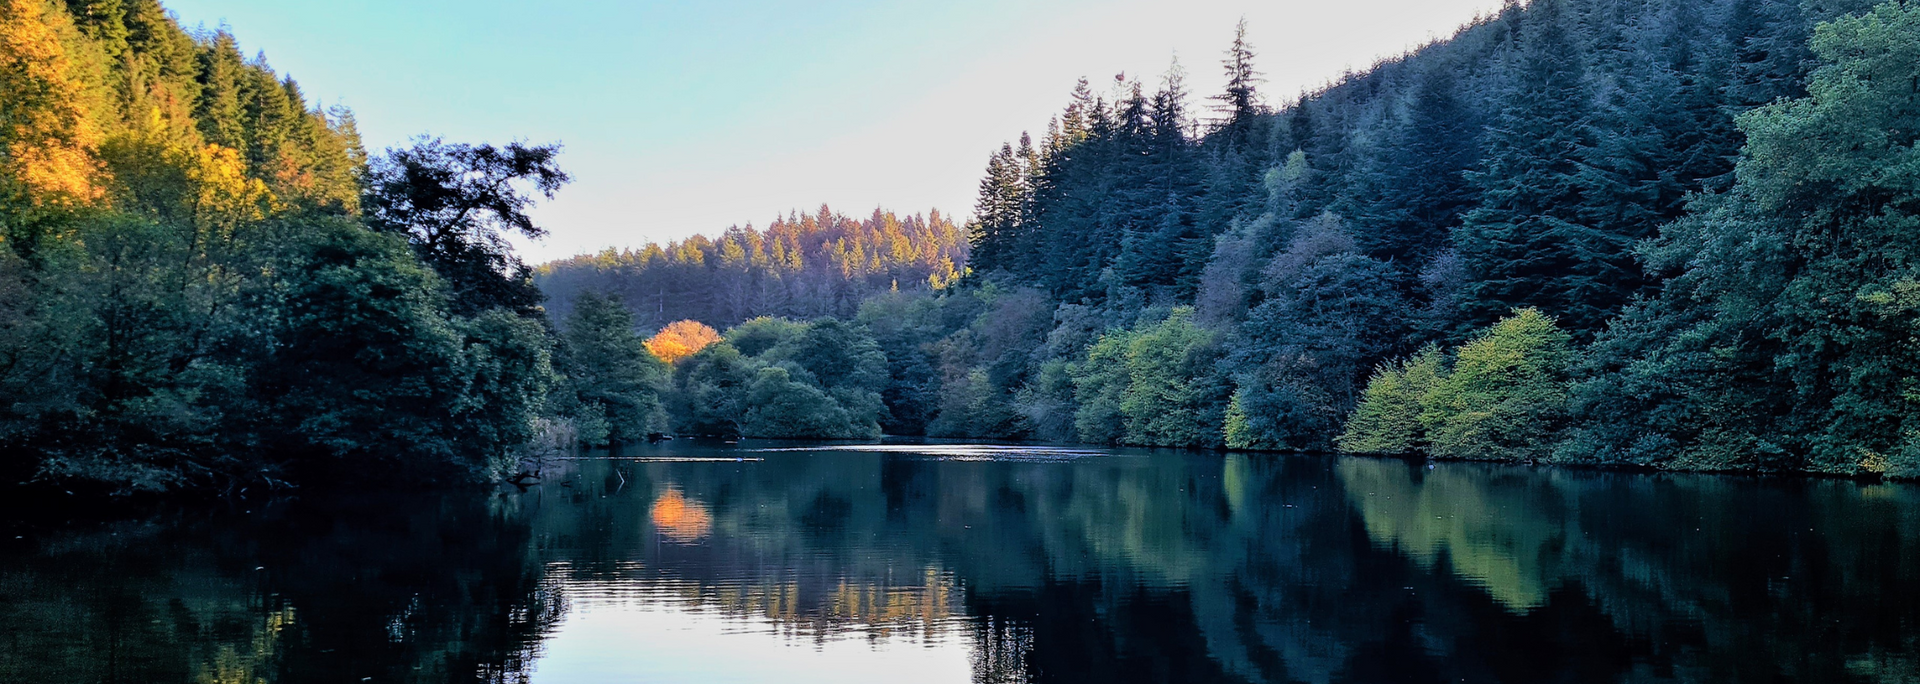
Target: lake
691	562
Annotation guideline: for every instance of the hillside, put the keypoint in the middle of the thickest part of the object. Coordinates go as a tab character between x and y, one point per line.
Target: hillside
801	266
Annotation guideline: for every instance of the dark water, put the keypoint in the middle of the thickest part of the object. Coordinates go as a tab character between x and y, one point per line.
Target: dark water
987	564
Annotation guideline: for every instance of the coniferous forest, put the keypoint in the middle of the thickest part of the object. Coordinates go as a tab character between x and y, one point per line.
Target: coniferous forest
1657	233
802	267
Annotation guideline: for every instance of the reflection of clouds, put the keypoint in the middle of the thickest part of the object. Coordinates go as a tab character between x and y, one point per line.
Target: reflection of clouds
681	519
929	610
640	641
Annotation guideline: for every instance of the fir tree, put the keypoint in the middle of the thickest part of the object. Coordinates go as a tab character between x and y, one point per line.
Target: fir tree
1526	244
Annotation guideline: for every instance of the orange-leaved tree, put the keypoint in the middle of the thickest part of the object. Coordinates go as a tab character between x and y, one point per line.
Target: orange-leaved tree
681	339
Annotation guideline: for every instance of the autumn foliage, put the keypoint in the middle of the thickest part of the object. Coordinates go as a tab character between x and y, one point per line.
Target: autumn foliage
681	339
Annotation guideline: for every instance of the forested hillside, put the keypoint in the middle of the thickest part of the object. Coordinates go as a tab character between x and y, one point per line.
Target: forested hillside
1667	233
823	264
1572	169
205	282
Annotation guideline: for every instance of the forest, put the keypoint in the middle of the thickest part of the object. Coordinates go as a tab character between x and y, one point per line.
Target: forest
1647	233
801	266
1672	234
206	283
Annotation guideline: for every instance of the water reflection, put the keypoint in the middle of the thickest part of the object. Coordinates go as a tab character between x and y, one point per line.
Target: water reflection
690	562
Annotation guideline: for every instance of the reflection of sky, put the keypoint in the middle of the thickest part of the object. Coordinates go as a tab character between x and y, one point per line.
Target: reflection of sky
959	452
637	640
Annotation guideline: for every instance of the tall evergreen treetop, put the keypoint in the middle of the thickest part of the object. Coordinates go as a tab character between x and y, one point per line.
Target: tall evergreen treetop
1240	103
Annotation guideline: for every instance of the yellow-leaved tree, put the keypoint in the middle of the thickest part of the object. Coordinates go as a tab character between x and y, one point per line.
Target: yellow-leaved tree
47	135
681	339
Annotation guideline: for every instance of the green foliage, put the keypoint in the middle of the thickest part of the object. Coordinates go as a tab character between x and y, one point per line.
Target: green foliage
193	298
1505	393
1328	313
506	374
709	391
192	294
1100	385
984	364
1526	243
778	406
1502	398
613	375
759	335
818	380
904	325
1388	418
1151	386
1784	341
368	370
455	203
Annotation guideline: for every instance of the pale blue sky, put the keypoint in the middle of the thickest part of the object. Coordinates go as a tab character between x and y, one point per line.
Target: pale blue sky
685	117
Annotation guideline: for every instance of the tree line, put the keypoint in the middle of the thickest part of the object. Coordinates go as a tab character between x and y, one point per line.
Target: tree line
801	266
1650	232
206	282
1658	233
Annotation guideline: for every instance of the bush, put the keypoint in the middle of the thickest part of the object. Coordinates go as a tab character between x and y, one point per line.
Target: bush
1505	394
1503	399
780	407
1154	386
1388	418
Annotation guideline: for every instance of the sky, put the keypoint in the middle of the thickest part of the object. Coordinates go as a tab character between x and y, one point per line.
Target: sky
689	117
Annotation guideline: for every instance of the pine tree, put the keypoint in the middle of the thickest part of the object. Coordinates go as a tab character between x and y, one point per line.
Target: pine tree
1240	104
611	368
220	111
1525	243
1418	190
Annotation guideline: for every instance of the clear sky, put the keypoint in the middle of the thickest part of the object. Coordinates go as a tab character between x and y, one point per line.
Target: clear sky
687	117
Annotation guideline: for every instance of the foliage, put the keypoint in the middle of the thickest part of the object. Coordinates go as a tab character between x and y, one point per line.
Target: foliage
678	340
777	406
205	282
194	299
1327	314
800	266
818	380
710	390
616	377
456	203
1500	397
1387	420
1784	341
1504	395
1148	386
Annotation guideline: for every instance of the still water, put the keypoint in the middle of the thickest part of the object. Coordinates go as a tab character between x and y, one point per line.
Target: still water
967	563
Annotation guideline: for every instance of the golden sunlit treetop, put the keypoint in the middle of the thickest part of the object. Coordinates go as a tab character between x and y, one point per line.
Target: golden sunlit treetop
47	135
681	339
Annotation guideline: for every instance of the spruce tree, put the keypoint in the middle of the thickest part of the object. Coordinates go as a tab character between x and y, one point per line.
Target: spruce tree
1526	244
1420	189
1240	103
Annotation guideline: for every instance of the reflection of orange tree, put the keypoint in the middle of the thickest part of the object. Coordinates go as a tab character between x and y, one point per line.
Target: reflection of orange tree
681	519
